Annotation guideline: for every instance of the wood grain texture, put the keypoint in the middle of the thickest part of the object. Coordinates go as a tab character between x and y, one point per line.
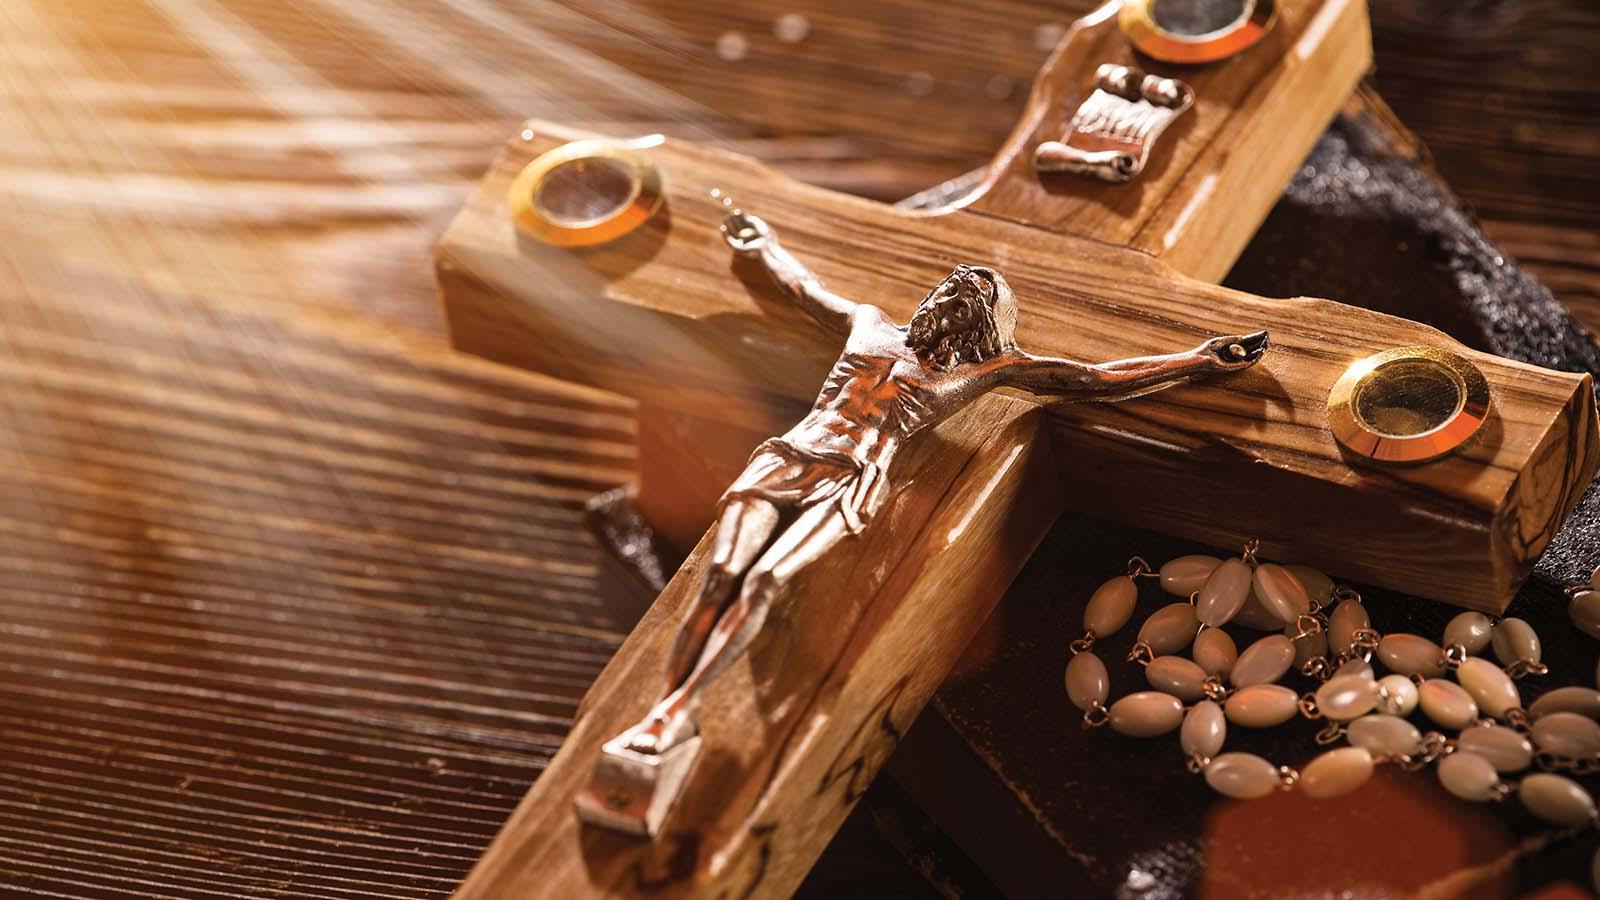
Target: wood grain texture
661	317
797	728
1219	168
227	165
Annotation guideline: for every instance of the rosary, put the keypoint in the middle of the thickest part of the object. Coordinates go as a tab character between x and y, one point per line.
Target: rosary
1323	631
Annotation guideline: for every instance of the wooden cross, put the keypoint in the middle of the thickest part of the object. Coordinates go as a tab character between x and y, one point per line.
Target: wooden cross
794	733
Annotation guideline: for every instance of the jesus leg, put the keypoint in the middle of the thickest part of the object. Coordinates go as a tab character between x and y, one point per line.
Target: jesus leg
745	526
816	530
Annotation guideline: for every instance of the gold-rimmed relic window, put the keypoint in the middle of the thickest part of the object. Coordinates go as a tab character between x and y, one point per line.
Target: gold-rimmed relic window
1408	405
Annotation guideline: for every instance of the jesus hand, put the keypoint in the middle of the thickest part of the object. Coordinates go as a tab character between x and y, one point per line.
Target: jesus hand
745	233
1235	351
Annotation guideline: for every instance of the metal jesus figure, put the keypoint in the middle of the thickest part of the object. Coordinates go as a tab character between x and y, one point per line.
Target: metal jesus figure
823	481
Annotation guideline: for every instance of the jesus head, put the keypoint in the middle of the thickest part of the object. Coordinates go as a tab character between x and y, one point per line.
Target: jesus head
968	317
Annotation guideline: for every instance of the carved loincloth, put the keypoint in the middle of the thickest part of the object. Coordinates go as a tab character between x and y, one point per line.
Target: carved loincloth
790	476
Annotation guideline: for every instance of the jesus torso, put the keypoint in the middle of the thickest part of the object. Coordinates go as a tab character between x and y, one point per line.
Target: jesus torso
879	393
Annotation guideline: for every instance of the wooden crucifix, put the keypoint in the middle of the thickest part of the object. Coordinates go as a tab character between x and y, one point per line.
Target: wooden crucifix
1102	268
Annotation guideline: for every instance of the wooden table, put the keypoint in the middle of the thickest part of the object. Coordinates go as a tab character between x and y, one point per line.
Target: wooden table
295	601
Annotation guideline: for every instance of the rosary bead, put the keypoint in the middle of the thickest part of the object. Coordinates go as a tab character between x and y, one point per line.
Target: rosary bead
1567	734
1581	700
1176	676
1263	662
1347	618
1489	685
1447	704
1397	695
1215	652
1146	714
1410	654
1186	574
1471	630
1169	629
1515	640
1468	776
1383	735
1346	698
1243	776
1223	593
1110	607
1556	799
1357	666
1088	684
1319	587
1505	748
1336	772
1584	610
1204	729
1255	615
1281	593
1262	706
1305	648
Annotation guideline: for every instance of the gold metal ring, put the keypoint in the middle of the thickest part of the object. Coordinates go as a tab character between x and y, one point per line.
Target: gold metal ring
1408	405
586	192
1156	32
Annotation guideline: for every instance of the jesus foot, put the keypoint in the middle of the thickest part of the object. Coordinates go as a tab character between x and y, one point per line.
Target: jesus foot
660	732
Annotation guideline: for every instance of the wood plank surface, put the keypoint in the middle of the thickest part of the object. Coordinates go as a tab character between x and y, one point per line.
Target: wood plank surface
247	604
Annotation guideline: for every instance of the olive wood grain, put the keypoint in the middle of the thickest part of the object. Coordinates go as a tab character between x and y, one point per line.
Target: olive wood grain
795	731
665	318
1217	171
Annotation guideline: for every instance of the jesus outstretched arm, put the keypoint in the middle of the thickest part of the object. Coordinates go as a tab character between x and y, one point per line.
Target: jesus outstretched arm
752	239
1125	378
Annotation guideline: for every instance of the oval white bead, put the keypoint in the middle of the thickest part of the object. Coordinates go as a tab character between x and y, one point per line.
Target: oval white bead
1243	776
1223	593
1357	666
1215	652
1556	799
1505	749
1319	587
1281	593
1383	735
1183	576
1471	630
1515	639
1348	617
1110	606
1491	688
1397	695
1411	654
1567	734
1146	714
1088	683
1254	615
1468	776
1574	699
1262	706
1204	729
1584	610
1447	704
1347	697
1336	773
1263	662
1177	676
1169	629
